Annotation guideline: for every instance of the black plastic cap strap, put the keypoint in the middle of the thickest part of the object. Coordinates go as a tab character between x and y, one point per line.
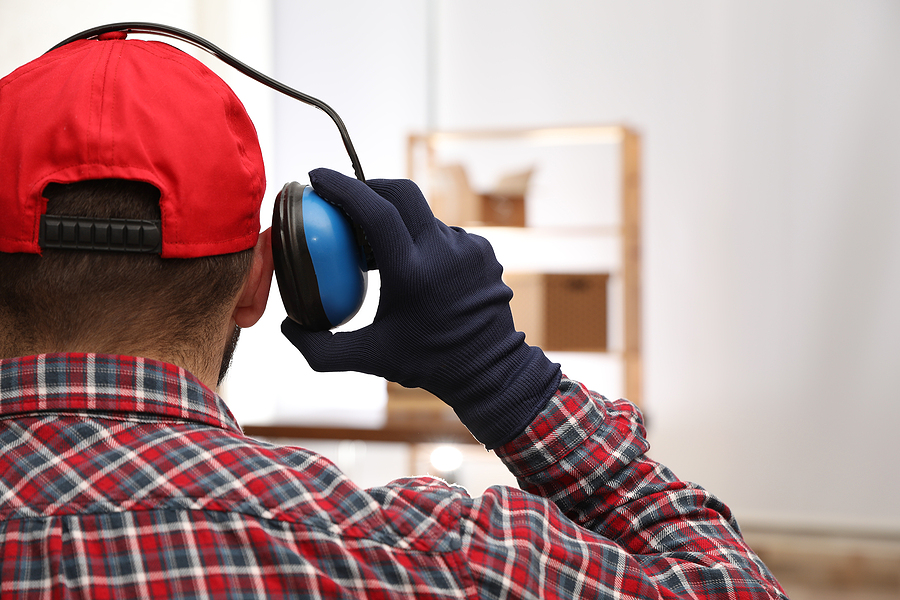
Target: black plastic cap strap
110	235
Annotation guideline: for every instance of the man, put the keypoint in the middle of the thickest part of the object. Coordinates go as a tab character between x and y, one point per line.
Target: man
122	473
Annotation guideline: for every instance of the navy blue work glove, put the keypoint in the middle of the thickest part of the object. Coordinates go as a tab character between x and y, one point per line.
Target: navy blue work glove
443	321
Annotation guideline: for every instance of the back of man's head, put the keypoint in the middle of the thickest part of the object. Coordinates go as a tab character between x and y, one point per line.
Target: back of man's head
113	302
131	129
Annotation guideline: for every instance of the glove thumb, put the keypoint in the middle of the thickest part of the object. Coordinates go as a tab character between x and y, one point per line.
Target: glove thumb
312	344
326	351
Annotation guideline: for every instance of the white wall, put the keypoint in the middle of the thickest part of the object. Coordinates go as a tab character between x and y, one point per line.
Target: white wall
772	213
772	254
365	60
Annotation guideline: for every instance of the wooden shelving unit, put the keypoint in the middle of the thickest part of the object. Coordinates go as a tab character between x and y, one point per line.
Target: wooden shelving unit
414	416
423	159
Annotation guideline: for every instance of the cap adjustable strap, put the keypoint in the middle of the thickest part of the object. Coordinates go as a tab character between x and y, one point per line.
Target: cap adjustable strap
113	235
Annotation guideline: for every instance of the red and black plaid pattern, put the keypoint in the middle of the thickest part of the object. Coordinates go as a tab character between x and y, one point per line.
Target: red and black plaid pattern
127	478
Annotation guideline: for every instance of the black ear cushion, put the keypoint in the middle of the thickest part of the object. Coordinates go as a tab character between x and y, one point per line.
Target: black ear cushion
294	269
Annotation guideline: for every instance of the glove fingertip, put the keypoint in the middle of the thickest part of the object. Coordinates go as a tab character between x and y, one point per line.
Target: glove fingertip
289	327
301	338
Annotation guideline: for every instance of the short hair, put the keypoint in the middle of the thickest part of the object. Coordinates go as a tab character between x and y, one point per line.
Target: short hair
71	299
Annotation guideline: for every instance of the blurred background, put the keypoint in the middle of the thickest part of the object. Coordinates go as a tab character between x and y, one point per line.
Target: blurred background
770	200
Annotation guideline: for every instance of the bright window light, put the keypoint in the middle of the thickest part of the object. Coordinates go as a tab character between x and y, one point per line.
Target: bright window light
446	458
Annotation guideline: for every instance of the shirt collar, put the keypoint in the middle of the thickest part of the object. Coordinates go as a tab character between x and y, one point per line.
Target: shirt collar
99	382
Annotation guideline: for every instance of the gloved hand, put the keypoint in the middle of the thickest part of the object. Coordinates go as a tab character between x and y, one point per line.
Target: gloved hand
443	321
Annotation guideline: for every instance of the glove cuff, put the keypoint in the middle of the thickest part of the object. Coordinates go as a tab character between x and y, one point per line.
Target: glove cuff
503	404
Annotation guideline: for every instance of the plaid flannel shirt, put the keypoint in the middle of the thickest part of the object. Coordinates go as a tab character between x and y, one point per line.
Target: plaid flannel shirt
124	478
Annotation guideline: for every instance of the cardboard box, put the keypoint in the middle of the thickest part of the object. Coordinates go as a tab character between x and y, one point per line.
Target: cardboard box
454	202
504	206
502	210
561	311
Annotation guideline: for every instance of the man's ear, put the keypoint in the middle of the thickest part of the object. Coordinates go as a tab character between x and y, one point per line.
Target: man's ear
251	303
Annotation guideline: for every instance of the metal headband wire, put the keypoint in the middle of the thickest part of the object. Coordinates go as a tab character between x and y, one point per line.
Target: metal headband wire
186	36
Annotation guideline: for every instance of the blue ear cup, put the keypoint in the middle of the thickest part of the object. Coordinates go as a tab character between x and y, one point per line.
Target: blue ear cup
319	264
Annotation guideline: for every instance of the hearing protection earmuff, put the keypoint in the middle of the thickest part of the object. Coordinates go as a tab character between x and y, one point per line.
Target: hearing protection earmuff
311	236
321	258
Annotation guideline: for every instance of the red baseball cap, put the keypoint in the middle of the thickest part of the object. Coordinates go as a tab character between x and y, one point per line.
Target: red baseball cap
113	108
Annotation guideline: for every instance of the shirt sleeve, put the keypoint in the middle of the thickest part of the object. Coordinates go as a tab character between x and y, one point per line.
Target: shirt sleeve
598	519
